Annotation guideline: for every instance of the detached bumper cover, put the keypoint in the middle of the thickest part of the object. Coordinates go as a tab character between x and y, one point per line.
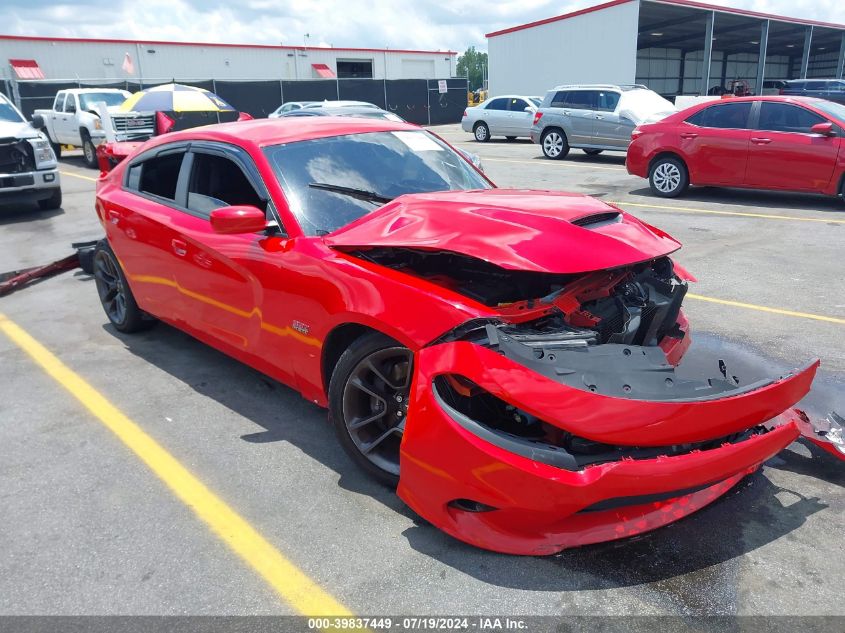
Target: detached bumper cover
493	493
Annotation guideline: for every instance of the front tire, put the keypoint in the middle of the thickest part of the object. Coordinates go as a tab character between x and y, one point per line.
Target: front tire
368	403
115	295
668	177
555	145
53	202
89	150
482	132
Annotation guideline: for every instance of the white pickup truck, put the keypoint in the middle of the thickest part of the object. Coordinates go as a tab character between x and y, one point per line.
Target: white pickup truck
28	168
74	120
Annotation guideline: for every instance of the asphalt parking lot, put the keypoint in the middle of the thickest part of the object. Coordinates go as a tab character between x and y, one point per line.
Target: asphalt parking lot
89	527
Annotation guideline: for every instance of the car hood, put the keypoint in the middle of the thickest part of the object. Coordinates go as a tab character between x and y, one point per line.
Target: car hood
539	231
16	129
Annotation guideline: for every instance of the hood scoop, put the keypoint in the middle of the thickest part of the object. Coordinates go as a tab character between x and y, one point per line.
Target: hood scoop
539	231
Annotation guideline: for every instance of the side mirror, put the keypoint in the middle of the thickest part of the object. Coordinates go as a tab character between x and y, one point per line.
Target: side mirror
37	122
529	109
823	129
238	220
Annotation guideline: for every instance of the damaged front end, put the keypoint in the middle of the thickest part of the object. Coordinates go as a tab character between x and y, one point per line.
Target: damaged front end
564	421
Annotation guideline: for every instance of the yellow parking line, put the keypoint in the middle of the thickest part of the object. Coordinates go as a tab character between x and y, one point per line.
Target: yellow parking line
70	173
765	216
751	306
292	584
548	163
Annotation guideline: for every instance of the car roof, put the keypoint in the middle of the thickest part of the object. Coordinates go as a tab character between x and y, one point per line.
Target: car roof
266	132
623	87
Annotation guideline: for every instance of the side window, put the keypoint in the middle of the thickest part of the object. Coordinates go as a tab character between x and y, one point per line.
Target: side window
608	101
59	103
217	181
497	104
815	85
70	103
518	105
726	116
582	99
159	175
559	100
781	117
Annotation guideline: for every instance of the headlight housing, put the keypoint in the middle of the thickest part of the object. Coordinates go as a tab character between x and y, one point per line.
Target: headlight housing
98	124
43	152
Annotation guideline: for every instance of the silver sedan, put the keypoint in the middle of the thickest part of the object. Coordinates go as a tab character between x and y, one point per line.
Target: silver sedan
510	116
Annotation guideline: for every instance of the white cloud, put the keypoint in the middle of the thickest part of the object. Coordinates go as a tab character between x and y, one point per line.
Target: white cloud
425	24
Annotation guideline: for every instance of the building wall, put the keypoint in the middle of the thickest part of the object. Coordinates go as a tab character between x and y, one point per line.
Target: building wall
103	60
596	47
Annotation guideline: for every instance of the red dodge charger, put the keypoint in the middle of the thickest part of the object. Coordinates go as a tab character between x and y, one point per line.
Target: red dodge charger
506	358
778	143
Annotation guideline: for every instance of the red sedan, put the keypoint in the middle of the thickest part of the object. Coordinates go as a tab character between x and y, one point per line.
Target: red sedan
778	143
506	358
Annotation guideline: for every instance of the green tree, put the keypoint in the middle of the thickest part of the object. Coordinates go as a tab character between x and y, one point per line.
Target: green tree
472	64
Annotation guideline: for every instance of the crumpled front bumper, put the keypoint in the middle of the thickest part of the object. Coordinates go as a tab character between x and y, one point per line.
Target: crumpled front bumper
500	497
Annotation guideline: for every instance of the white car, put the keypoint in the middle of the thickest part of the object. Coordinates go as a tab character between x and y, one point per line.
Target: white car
292	106
510	116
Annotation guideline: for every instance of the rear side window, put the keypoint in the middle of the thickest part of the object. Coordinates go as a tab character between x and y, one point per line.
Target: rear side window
781	117
607	101
159	175
59	103
582	99
559	100
815	85
497	104
726	116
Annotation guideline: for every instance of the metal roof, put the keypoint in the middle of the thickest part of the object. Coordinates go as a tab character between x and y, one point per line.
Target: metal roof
692	4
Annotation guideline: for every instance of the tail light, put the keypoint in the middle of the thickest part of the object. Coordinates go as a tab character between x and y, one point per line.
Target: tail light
465	114
537	117
163	123
637	133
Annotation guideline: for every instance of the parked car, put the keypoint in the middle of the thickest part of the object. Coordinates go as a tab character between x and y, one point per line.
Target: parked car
504	357
507	115
594	118
74	120
830	89
773	87
340	104
28	167
783	143
355	111
290	106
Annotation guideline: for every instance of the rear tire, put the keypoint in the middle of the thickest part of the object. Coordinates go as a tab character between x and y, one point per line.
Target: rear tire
555	144
482	132
115	295
53	202
593	152
89	150
368	402
668	177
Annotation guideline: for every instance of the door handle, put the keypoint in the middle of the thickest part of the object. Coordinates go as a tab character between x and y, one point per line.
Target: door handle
600	117
179	247
761	141
689	135
566	113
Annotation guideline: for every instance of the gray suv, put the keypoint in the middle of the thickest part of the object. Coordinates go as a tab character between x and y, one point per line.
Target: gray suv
594	118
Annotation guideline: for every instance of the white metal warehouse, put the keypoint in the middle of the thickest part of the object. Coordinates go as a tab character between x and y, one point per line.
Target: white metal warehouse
23	57
672	46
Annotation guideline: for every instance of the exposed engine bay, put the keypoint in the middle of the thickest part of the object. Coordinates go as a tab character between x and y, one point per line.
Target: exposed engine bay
637	305
16	156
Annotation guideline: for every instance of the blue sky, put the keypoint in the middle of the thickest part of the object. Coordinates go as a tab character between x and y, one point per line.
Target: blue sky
424	24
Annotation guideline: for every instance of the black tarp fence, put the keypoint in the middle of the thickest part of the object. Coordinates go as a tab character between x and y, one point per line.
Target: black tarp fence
420	101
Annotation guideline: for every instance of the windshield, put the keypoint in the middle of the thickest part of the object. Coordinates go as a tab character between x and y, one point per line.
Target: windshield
836	110
8	112
88	99
317	175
